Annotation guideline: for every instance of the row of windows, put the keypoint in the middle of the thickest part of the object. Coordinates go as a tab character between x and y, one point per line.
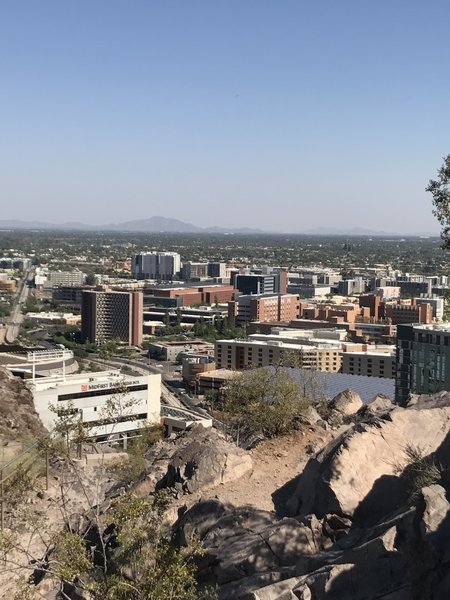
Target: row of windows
124	419
369	361
102	422
107	392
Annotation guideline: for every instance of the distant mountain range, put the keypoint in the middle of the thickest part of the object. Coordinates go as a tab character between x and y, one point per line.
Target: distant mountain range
169	225
150	225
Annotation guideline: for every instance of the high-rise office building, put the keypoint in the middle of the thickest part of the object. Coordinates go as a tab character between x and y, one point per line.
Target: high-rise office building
163	266
423	360
194	270
217	269
253	283
112	315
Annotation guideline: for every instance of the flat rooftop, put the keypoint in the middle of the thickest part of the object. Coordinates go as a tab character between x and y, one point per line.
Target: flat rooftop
333	344
102	377
183	343
382	353
430	327
219	374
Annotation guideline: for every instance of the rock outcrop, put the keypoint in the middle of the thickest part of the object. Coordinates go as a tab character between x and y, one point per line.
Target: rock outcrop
356	474
251	555
18	418
195	460
356	532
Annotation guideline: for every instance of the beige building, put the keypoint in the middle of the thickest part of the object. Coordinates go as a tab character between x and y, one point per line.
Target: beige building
214	380
371	364
245	354
193	366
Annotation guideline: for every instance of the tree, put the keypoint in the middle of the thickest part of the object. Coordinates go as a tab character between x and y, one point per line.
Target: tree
91	279
266	402
446	298
440	190
107	348
146	565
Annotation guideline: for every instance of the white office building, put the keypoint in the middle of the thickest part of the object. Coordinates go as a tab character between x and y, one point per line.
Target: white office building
163	266
108	403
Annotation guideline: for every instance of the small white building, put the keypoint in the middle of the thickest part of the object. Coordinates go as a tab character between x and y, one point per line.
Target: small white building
107	402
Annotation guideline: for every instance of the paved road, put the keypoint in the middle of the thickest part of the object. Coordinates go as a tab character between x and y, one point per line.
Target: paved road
15	319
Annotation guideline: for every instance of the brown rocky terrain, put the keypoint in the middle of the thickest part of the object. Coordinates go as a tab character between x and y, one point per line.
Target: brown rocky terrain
355	531
17	414
19	422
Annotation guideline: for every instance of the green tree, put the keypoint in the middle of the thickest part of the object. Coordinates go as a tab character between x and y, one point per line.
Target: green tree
132	468
107	348
266	402
440	190
147	566
446	315
91	279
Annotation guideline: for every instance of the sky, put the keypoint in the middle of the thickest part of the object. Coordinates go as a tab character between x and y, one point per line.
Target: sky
285	115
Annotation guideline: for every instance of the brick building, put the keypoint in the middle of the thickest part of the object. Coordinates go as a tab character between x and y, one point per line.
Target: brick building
110	315
270	307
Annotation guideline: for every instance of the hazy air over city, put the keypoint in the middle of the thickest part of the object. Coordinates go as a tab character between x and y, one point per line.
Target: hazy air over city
279	116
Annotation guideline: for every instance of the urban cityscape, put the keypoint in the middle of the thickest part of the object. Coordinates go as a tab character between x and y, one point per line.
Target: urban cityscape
224	300
369	326
356	318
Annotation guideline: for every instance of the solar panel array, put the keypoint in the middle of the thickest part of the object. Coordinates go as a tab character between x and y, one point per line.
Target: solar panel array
366	387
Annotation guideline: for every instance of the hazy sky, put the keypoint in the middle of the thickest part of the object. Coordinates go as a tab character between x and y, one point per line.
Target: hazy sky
277	114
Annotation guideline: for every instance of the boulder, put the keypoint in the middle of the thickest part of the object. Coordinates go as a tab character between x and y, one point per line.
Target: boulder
356	474
436	509
195	460
379	406
346	403
358	535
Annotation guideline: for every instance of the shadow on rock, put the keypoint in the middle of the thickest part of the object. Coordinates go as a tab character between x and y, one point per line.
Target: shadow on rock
282	498
388	494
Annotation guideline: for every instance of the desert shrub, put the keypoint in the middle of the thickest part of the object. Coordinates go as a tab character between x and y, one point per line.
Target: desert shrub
419	471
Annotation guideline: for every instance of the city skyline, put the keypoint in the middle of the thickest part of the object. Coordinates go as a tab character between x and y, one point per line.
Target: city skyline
238	115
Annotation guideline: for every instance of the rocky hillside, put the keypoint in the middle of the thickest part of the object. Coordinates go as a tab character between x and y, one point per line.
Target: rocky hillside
365	515
18	419
370	516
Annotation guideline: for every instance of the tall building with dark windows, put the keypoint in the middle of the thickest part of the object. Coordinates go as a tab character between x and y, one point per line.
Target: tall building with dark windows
252	283
423	360
163	266
109	315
